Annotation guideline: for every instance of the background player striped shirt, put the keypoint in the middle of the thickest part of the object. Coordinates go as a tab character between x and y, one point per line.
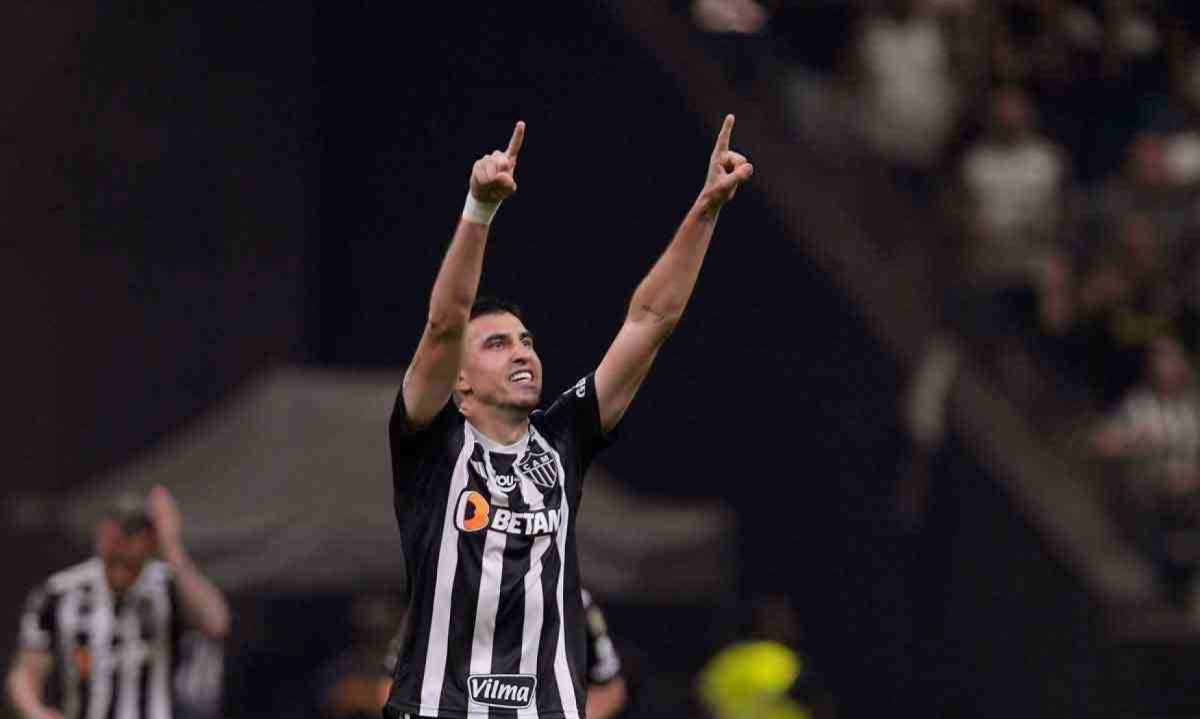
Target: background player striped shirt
114	656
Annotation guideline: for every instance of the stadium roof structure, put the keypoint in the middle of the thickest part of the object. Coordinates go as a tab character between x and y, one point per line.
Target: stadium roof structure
285	487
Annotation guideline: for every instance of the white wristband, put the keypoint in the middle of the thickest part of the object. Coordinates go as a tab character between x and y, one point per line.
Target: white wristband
479	212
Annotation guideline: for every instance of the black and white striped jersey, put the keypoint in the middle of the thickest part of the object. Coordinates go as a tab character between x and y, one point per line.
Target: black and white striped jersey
114	656
603	662
495	622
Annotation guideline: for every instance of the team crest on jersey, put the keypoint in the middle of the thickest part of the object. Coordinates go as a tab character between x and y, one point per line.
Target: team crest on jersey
507	691
539	466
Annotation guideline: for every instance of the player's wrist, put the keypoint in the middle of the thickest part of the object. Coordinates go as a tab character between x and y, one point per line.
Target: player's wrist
707	206
478	211
174	554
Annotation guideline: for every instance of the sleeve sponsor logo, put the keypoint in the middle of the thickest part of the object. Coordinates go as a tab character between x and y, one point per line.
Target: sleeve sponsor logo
508	691
472	513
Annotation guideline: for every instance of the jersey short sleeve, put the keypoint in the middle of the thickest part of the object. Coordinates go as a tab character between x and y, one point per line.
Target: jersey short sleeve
408	444
38	624
575	418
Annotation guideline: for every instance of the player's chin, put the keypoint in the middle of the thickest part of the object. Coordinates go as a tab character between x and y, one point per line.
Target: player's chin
526	396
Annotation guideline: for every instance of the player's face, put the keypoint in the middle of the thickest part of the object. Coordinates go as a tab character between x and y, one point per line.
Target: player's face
501	367
123	555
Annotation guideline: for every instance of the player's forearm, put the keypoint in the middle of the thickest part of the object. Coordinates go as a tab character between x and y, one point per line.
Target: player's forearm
604	701
25	693
204	605
664	292
458	279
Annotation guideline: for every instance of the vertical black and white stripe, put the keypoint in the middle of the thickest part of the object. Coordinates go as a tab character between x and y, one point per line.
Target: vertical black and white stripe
495	624
114	655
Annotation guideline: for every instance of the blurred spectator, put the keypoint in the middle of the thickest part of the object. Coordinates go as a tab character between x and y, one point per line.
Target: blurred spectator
110	628
1125	300
763	675
1134	258
1013	194
925	415
735	32
1144	187
908	89
1156	432
742	17
1008	205
349	685
1176	119
1044	44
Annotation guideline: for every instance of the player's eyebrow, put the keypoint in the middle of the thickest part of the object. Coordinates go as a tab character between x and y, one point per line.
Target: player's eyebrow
495	336
527	335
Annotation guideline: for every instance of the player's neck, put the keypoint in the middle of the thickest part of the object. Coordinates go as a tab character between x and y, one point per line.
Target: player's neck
500	426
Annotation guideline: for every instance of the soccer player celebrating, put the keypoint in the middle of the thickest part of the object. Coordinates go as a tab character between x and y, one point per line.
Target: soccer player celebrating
487	487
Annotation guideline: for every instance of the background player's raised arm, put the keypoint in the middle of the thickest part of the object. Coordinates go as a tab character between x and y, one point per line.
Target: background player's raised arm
659	301
429	380
204	606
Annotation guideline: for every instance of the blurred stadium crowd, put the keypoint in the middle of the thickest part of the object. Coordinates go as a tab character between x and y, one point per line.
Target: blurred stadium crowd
1054	146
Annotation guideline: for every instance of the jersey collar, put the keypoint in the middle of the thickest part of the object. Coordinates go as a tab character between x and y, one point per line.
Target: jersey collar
493	446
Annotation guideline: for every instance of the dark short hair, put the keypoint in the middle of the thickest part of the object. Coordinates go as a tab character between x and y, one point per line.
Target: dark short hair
494	306
130	512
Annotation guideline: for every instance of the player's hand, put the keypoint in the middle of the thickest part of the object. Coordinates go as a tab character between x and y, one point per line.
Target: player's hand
493	176
168	522
727	170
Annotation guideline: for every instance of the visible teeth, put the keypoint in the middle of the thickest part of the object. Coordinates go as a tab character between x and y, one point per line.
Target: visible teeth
521	376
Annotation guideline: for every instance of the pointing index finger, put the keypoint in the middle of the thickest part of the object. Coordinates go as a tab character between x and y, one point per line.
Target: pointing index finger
723	135
518	138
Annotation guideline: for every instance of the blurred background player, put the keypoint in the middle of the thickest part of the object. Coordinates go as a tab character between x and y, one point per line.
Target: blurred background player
763	674
110	628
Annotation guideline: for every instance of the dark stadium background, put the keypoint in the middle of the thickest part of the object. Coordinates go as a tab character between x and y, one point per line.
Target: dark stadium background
192	192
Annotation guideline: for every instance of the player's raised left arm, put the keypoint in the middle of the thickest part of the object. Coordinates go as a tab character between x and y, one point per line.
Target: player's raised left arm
660	299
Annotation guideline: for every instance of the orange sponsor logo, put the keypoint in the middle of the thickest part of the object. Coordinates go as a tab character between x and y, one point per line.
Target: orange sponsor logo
83	662
473	511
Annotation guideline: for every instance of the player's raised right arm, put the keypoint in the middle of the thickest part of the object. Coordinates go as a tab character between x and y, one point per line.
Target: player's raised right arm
429	380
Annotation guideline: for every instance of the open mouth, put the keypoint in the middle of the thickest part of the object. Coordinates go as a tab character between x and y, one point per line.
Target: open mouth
521	376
